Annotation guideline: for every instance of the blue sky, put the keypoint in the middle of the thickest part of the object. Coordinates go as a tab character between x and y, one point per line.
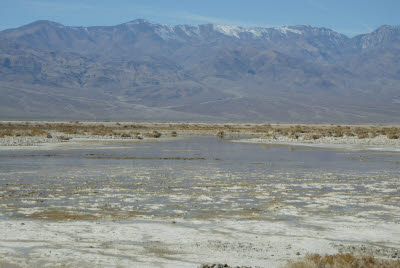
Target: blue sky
350	17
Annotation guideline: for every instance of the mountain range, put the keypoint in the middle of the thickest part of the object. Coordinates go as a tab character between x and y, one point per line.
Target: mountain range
143	70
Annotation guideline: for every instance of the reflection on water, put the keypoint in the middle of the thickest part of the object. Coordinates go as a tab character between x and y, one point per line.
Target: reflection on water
198	178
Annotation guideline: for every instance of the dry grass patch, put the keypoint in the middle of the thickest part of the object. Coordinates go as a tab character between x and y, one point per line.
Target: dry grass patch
72	131
310	132
342	260
38	132
6	132
102	132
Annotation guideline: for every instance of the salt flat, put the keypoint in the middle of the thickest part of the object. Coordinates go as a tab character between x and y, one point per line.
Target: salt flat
187	201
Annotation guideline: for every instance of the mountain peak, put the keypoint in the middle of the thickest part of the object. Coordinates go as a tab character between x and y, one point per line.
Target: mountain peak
384	35
31	28
141	21
388	27
45	23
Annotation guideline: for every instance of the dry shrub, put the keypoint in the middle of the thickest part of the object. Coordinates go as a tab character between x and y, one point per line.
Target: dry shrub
362	135
359	130
281	131
392	133
63	138
316	136
267	136
337	131
154	134
373	134
338	134
259	129
392	136
72	131
6	132
297	129
38	132
381	131
102	132
312	136
342	260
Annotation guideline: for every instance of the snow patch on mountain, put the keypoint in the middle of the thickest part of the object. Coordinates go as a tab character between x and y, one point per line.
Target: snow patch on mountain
228	30
165	31
258	32
239	32
189	30
285	30
180	32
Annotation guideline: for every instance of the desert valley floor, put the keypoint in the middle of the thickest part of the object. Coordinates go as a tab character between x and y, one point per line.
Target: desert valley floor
184	200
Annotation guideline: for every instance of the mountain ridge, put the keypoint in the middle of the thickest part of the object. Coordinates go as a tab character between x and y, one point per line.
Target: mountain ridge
186	69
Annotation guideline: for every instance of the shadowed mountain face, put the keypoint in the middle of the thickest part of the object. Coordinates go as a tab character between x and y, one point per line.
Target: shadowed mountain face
142	70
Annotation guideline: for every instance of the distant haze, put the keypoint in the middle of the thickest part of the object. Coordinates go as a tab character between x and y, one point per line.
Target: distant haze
142	70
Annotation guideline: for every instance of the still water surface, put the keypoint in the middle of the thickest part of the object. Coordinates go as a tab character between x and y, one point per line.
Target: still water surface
199	178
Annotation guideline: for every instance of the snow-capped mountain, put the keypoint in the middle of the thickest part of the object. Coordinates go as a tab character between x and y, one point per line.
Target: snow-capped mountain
51	35
287	73
257	33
